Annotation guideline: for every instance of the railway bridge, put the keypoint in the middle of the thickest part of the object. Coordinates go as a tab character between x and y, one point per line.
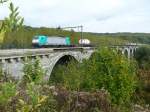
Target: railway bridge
12	61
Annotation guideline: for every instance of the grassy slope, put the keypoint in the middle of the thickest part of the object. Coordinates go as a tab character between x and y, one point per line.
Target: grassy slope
0	23
1	34
22	38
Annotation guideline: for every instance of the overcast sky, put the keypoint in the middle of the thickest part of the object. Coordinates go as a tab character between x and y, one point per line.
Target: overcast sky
94	15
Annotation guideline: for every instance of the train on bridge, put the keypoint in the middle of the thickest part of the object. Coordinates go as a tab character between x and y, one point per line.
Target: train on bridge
55	41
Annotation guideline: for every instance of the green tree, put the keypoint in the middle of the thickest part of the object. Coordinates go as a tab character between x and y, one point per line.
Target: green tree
113	72
14	21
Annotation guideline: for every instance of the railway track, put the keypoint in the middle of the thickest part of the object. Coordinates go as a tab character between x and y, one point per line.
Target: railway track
36	51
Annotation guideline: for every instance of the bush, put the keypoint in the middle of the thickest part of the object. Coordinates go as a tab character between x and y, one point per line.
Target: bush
106	72
33	71
1	74
4	77
142	55
8	89
106	69
65	73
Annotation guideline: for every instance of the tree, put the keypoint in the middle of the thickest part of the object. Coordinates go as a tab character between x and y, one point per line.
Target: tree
14	21
109	70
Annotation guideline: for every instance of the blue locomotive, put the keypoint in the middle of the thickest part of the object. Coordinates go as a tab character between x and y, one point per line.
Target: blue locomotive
45	41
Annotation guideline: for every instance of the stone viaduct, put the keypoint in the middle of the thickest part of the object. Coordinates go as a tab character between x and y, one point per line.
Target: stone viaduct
12	61
128	50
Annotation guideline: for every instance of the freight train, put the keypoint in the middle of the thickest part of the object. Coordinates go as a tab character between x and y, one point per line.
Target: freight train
55	41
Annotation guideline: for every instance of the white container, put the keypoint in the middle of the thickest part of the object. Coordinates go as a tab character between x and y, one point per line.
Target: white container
84	41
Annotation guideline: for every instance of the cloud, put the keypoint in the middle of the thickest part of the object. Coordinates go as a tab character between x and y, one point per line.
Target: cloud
95	15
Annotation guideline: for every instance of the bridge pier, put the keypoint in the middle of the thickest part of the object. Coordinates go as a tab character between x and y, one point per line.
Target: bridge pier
127	50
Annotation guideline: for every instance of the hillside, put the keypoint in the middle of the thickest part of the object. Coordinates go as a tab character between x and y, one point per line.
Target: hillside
23	37
132	37
0	23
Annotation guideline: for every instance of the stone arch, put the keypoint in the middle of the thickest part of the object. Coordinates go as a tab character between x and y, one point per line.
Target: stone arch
126	52
91	55
132	51
59	57
64	60
55	76
63	56
77	55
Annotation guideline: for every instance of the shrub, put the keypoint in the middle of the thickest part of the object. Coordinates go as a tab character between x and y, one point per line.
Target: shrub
7	91
33	71
65	73
111	71
106	69
142	55
1	74
33	98
5	77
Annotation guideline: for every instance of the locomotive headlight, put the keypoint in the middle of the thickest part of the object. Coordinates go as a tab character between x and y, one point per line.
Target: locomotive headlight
35	41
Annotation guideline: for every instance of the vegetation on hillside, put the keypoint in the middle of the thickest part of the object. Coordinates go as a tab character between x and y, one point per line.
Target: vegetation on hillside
23	37
106	69
142	55
131	37
1	23
106	83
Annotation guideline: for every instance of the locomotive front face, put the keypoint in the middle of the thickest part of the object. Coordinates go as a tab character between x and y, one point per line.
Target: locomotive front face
42	40
39	40
35	40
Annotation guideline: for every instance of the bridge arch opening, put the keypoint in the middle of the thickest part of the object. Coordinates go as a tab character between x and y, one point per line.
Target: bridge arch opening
60	68
65	60
126	52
